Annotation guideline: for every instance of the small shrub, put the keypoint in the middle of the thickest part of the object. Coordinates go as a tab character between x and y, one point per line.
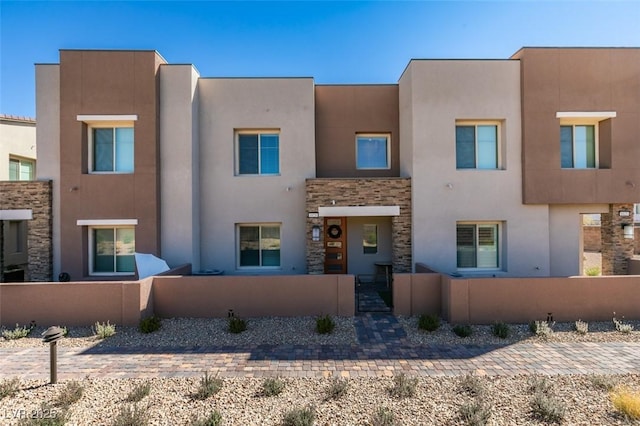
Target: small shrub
272	387
325	324
209	386
139	392
17	333
539	384
606	383
500	329
462	330
383	417
620	325
471	384
403	387
69	395
593	271
429	322
546	408
214	419
475	413
131	416
55	417
337	388
299	417
103	330
626	402
9	387
237	325
541	328
150	324
582	327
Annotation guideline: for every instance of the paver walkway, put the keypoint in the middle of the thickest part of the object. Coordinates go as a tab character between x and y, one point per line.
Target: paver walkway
382	351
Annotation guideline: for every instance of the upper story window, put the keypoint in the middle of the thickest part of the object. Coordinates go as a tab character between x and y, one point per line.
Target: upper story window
373	151
21	169
478	245
477	145
578	146
111	142
259	245
258	152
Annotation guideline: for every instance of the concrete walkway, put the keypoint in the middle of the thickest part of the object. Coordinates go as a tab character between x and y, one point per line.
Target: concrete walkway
382	351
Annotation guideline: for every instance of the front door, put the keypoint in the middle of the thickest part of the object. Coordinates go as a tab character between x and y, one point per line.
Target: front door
335	245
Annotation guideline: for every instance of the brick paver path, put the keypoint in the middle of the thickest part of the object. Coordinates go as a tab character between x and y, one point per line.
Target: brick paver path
382	351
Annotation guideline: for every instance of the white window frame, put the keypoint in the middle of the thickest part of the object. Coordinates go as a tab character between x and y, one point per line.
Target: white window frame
258	132
259	225
499	148
20	161
107	121
573	122
374	135
499	252
91	241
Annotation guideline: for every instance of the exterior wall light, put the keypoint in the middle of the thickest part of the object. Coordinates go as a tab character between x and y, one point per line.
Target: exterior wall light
315	233
627	229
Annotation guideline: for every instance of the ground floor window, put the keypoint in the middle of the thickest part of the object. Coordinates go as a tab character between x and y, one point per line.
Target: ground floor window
112	250
478	245
259	245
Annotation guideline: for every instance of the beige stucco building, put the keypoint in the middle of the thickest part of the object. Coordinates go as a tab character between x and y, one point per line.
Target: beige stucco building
471	167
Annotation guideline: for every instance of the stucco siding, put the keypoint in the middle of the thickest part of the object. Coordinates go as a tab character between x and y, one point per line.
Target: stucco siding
442	92
227	105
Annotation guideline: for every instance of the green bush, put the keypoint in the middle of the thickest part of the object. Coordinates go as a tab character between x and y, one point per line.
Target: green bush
131	416
546	408
17	333
471	384
103	330
383	417
272	387
300	417
403	387
325	324
475	413
541	328
500	330
581	327
69	395
139	392
214	419
593	271
209	386
150	324
462	330
428	322
338	388
237	325
9	387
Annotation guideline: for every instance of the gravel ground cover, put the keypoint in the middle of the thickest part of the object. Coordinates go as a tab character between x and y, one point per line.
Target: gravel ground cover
583	400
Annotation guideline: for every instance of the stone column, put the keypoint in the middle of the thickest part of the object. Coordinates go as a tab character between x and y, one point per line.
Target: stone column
616	249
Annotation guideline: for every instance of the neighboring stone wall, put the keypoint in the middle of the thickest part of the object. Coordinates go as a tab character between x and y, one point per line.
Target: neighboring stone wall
593	238
36	196
616	249
361	192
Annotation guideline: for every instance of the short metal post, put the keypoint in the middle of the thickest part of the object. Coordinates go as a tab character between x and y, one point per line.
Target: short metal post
53	362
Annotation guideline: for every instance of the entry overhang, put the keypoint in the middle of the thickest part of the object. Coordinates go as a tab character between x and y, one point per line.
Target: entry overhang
340	211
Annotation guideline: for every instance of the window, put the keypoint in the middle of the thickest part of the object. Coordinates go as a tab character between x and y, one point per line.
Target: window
369	239
372	151
112	149
259	245
21	169
478	245
112	250
258	153
477	146
578	146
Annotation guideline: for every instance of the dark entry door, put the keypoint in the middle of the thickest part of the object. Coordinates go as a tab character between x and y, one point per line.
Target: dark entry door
335	245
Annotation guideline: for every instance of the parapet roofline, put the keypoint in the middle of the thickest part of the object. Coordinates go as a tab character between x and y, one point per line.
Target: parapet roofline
17	118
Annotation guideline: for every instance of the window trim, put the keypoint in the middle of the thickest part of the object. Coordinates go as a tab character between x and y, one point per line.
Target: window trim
259	132
90	240
238	254
499	252
500	164
573	122
374	135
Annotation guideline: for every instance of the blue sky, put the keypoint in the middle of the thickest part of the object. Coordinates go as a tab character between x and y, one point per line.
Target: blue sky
334	42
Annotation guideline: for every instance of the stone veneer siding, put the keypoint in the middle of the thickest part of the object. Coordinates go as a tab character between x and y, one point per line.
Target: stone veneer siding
35	196
361	192
616	249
